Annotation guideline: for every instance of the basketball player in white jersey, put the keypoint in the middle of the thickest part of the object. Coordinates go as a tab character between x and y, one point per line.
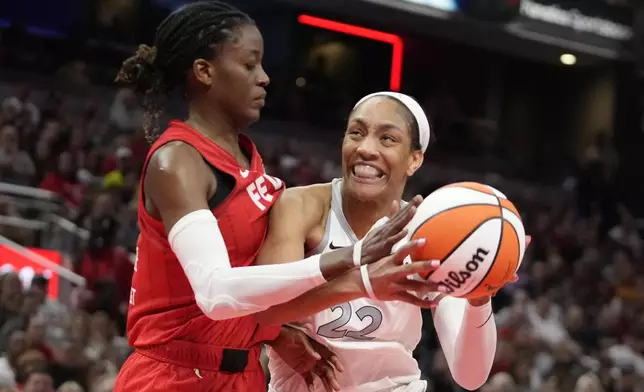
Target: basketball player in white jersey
386	137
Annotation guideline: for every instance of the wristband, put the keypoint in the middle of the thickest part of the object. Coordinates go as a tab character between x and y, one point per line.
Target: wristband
364	272
357	254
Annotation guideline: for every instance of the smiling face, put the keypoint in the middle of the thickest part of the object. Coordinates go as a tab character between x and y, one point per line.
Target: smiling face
377	152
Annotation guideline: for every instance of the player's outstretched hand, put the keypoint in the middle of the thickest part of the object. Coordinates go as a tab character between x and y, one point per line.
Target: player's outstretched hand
388	231
307	357
387	278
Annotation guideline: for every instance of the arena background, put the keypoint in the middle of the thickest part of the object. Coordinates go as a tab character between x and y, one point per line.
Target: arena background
539	98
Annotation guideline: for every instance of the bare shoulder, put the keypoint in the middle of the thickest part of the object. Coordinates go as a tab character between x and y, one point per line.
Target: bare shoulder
176	182
173	157
310	200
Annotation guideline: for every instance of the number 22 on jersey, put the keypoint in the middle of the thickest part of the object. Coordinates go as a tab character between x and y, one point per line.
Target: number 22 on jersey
335	329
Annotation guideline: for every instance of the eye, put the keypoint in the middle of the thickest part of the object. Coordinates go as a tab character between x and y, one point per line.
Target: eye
354	131
388	140
250	67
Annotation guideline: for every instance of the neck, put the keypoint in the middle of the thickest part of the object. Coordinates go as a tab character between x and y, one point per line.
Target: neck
215	126
363	214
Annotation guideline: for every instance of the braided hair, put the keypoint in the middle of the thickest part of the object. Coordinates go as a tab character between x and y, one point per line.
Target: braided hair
191	32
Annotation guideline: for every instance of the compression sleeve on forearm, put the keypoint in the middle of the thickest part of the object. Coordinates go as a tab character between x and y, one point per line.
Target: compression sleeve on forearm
467	335
223	292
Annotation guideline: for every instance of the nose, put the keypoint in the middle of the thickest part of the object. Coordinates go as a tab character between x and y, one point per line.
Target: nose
368	149
263	79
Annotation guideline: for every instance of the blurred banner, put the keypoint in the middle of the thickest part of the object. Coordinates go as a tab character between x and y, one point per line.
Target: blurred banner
443	5
583	18
12	260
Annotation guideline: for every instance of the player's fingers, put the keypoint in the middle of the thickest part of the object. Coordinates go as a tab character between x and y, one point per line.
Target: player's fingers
417	267
329	356
398	256
421	288
310	382
413	300
394	239
395	207
329	375
321	372
528	240
309	349
335	361
400	219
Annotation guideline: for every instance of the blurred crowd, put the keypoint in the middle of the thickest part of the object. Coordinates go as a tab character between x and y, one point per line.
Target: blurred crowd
573	322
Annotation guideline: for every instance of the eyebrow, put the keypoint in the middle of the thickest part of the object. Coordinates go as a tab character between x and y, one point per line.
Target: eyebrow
381	127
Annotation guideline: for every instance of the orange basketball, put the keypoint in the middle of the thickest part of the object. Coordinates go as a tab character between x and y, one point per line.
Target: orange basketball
476	233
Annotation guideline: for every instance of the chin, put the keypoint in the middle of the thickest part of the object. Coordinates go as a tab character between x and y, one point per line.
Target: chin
250	117
254	114
366	191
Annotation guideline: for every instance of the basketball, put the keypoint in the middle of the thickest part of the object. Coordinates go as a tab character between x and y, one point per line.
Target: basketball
476	233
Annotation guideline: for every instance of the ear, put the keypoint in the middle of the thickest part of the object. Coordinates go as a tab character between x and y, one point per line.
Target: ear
203	71
415	162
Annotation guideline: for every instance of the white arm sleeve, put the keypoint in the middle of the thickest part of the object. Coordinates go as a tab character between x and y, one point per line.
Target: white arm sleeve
223	292
468	336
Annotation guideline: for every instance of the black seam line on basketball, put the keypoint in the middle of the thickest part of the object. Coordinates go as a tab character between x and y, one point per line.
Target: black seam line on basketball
496	254
479	191
516	236
462	240
488	319
512	212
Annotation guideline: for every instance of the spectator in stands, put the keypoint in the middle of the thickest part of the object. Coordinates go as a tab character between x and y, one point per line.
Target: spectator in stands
70	364
30	361
62	181
115	178
104	341
10	297
38	380
30	304
126	114
35	337
20	104
9	361
16	165
56	315
70	386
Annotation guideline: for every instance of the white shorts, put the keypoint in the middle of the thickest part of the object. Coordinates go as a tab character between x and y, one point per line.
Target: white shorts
384	385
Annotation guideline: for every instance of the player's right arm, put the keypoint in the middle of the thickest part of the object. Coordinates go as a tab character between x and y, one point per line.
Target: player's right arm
292	218
177	186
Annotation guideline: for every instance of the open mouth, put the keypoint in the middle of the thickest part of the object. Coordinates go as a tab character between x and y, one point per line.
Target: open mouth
366	173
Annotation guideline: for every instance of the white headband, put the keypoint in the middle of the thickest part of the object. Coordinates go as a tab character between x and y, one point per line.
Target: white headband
414	108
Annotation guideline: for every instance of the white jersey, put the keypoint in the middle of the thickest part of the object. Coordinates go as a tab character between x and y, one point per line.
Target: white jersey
373	339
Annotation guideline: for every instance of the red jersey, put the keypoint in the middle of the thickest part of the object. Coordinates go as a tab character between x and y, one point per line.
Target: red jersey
162	303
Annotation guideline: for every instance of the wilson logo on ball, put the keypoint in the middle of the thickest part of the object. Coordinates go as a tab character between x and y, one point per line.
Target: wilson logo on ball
457	279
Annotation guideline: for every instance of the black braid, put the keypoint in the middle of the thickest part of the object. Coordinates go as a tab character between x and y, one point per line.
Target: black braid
189	33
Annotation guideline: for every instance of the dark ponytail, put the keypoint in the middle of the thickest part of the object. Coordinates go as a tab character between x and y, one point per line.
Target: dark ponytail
191	32
140	74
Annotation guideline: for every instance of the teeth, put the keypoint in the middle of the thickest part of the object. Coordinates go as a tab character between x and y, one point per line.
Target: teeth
366	171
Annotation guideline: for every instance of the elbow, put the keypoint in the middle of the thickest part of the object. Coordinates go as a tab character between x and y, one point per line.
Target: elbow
470	370
471	380
212	311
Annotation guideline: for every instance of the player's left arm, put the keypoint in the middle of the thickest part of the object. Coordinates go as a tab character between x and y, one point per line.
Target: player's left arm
467	334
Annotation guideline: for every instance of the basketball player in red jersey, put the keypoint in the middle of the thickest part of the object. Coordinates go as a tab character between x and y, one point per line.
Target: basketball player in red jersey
203	210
